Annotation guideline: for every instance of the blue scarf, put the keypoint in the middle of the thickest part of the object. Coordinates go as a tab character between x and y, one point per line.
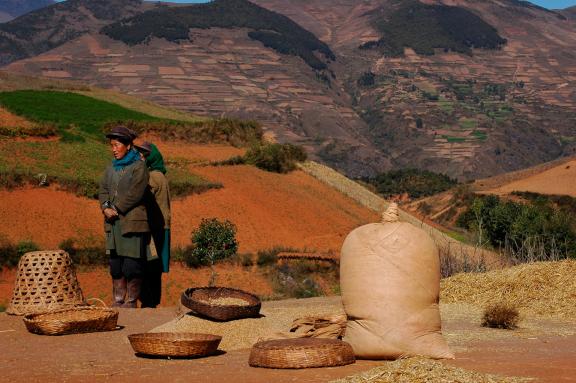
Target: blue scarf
130	157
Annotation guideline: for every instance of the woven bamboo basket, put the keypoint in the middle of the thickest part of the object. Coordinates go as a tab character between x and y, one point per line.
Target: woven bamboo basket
45	281
175	345
301	353
198	300
72	321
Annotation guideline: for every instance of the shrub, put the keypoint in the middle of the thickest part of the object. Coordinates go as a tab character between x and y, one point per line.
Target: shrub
223	130
85	255
2	308
267	257
279	158
26	246
288	283
416	182
246	260
8	254
537	231
188	257
214	240
501	315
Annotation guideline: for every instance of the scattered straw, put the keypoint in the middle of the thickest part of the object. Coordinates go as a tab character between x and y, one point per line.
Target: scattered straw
421	370
243	333
542	288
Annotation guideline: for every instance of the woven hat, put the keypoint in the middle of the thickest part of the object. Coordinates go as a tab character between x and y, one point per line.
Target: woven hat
45	281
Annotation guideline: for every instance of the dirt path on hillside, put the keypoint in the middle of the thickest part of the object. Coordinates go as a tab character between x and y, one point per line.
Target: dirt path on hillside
543	350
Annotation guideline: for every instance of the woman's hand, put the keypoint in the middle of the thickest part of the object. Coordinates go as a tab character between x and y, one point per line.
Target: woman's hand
110	213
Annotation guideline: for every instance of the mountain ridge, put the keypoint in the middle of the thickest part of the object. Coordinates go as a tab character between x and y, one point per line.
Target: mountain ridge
468	115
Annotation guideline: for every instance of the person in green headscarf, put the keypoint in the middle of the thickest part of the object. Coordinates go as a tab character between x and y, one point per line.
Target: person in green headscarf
158	208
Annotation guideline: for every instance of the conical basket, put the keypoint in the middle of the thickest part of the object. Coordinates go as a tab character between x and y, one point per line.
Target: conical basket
45	281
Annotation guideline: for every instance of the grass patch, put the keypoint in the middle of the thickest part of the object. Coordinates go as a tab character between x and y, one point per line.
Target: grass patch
446	106
468	124
76	167
452	139
66	109
482	136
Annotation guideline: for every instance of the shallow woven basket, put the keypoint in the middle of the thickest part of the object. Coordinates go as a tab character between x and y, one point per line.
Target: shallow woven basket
45	281
301	353
196	300
72	321
175	345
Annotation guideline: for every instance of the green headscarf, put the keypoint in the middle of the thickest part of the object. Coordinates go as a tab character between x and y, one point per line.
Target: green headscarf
154	160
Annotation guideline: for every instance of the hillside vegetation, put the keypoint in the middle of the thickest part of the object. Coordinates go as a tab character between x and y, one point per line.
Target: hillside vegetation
272	29
414	182
77	159
426	27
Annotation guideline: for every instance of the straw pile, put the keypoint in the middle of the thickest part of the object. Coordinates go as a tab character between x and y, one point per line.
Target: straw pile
421	370
542	288
243	333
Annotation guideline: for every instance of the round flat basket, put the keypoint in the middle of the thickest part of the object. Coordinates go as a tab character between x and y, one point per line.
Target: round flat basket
221	303
175	345
301	353
72	321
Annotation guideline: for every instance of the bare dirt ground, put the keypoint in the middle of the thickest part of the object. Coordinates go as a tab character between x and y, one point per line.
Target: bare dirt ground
540	349
269	209
9	120
560	180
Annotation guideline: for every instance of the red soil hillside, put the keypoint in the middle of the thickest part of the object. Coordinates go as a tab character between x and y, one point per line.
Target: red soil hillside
558	178
293	210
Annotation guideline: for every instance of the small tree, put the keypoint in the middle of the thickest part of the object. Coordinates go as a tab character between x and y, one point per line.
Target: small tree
212	241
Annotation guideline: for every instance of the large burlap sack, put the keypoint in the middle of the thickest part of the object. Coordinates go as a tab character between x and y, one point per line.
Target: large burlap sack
390	281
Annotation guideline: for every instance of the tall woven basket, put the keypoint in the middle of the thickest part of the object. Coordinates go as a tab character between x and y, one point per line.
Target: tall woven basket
45	281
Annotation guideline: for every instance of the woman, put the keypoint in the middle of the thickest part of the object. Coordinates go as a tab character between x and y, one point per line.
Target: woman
122	194
158	208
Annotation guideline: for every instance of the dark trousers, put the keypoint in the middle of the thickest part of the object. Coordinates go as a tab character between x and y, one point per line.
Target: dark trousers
152	284
126	267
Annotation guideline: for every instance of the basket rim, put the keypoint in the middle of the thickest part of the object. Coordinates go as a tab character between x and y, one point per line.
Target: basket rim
33	317
315	343
188	293
158	336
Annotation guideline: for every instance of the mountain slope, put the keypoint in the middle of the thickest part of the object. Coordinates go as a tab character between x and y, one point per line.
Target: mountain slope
50	27
14	8
479	101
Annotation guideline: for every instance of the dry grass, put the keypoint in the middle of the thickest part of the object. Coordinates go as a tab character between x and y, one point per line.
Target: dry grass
542	288
501	315
421	370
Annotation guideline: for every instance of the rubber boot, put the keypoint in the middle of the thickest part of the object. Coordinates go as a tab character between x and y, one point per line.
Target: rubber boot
134	287
119	291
